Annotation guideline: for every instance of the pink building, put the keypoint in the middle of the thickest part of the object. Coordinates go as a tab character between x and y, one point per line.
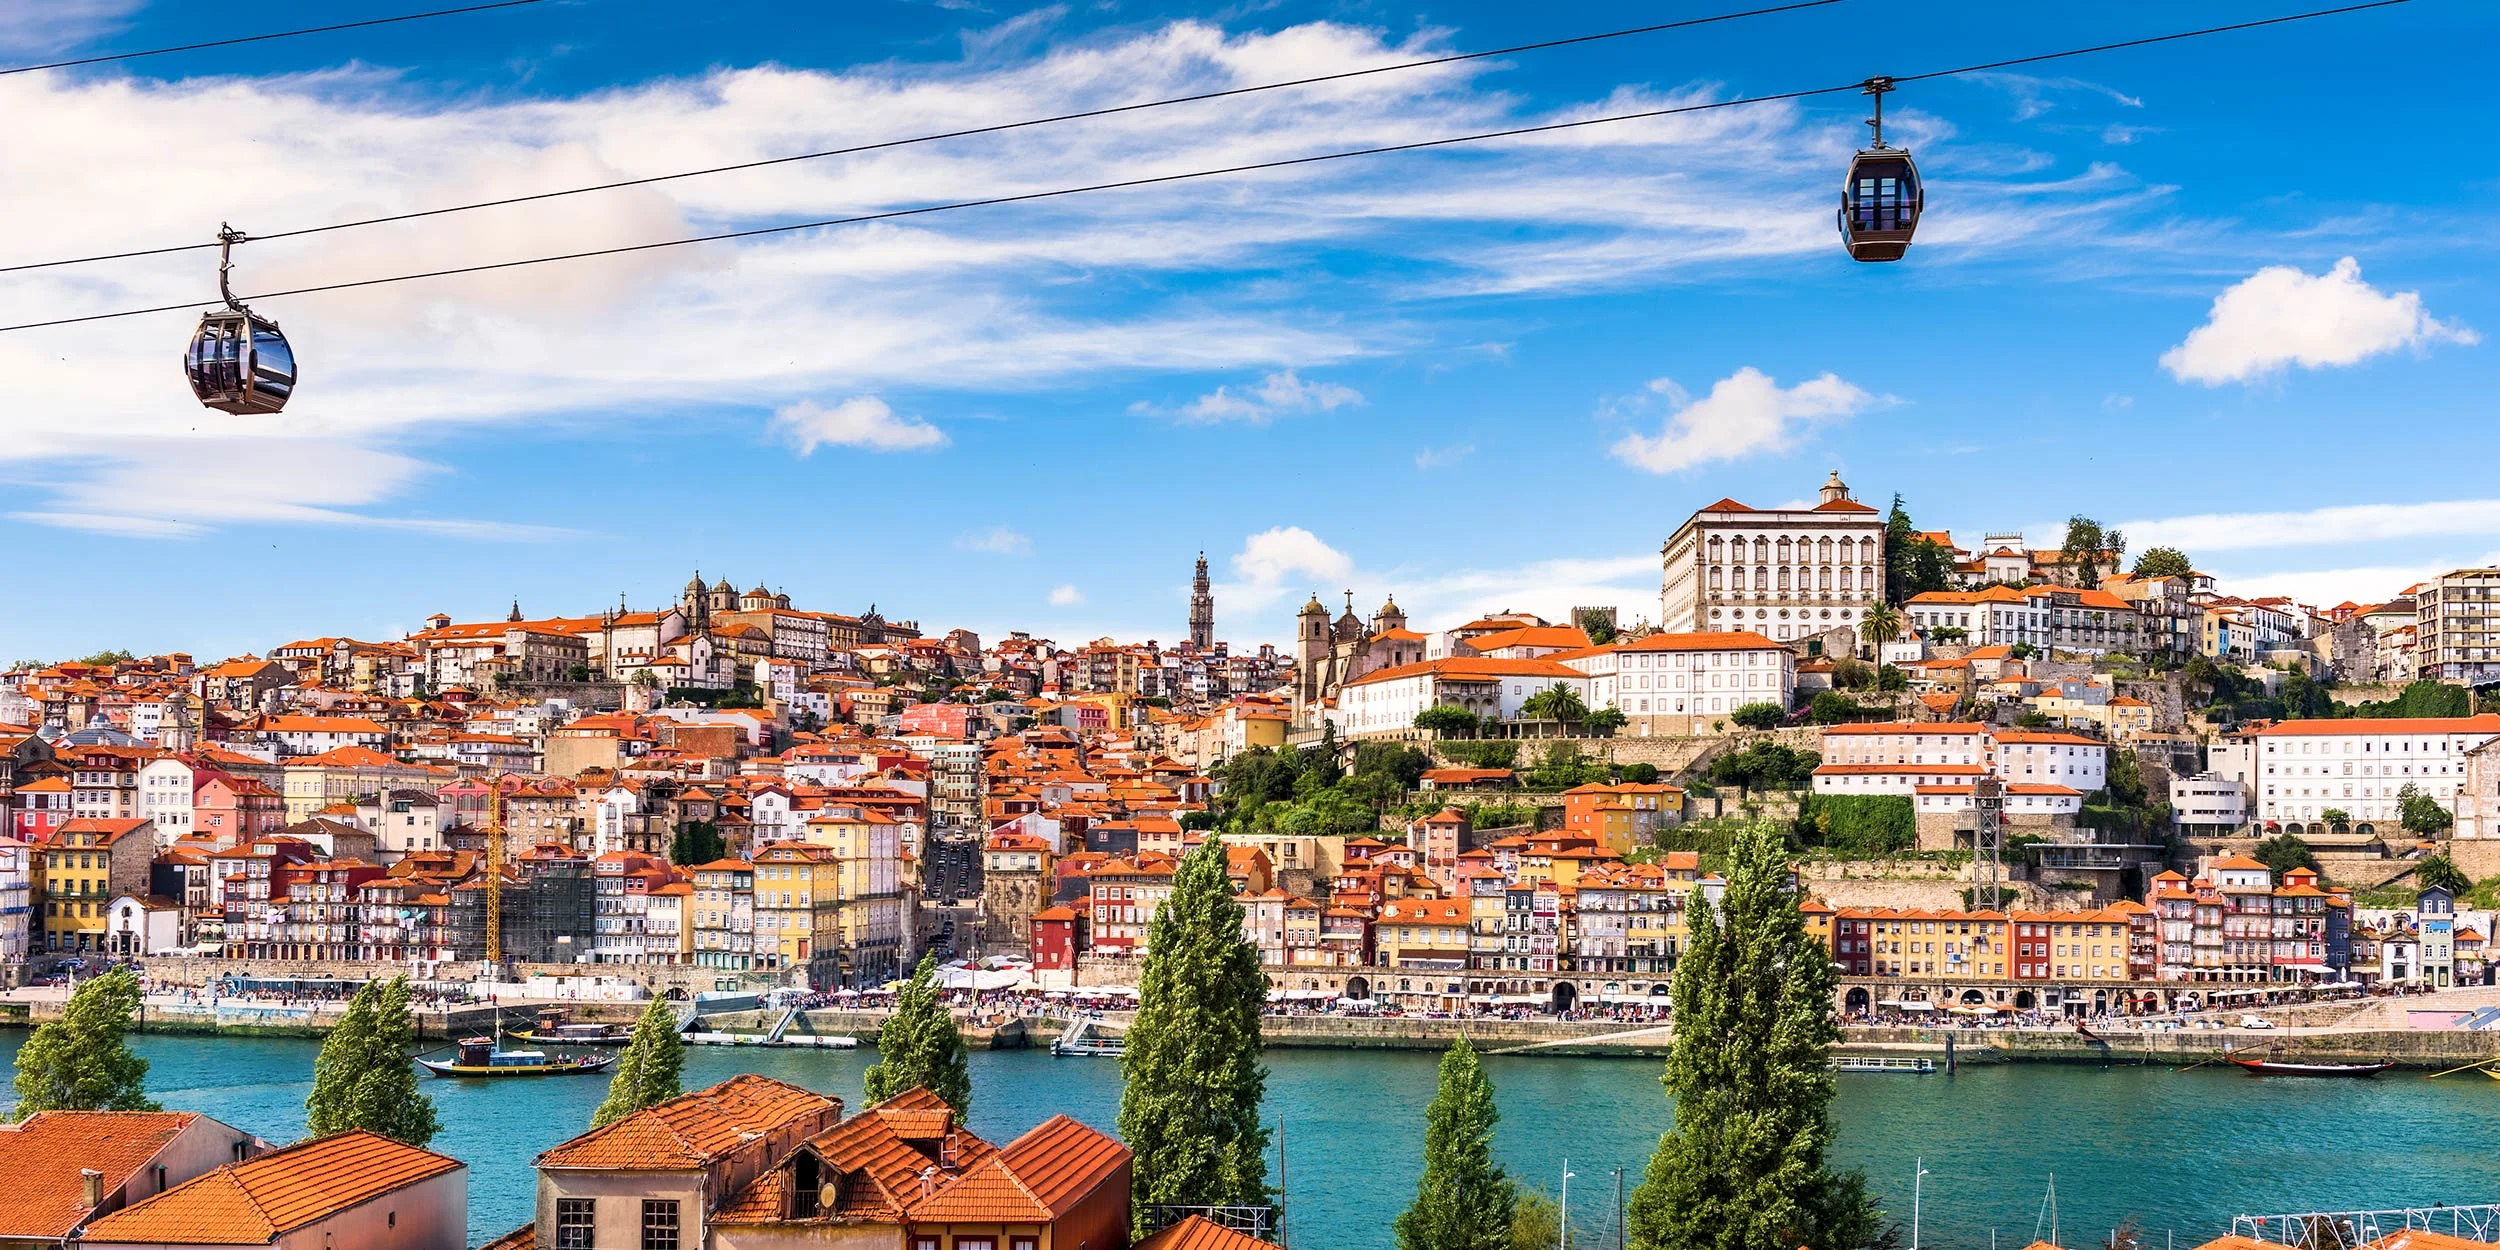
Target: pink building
236	809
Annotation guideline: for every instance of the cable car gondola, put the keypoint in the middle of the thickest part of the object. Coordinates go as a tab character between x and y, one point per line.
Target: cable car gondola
238	362
1882	198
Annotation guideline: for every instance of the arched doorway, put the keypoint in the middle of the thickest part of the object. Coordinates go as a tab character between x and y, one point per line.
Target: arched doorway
1973	998
1565	995
2366	829
2023	1000
1857	1000
1358	987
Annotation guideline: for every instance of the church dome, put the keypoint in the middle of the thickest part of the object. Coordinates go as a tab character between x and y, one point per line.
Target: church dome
695	587
724	587
1314	607
759	592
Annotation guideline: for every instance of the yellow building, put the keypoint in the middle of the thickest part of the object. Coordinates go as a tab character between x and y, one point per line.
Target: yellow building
796	908
868	891
87	864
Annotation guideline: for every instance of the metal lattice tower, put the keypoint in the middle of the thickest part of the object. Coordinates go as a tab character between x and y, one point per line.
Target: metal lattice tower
494	870
1987	801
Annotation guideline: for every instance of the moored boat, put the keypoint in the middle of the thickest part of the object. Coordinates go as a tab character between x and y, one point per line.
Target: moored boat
1082	1039
2270	1067
479	1056
554	1029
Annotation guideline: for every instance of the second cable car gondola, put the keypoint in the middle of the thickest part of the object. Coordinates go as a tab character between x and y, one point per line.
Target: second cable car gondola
1882	198
238	361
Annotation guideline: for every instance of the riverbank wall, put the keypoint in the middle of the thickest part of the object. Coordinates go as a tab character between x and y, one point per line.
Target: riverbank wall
2430	1049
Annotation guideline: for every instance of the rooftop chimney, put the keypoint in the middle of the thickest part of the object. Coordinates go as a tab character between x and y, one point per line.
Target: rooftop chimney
928	1182
91	1185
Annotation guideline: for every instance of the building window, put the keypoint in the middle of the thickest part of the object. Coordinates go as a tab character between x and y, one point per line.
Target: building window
574	1223
659	1224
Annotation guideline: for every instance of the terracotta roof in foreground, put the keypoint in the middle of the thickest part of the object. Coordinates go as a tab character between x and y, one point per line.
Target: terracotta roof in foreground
690	1130
1197	1232
255	1202
42	1158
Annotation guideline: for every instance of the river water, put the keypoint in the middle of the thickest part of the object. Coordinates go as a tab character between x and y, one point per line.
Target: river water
2181	1152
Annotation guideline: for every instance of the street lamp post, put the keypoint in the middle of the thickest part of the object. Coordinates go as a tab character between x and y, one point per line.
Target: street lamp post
1562	1232
1917	1192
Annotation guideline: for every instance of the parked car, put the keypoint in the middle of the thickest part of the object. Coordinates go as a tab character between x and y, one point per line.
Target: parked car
2255	1022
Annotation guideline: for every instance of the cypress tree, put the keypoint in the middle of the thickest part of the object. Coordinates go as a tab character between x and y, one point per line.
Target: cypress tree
330	1107
363	1078
80	1062
1750	1072
920	1045
1191	1107
1464	1201
651	1070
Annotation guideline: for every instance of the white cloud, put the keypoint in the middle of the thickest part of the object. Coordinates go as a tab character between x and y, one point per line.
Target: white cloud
1064	595
2281	316
2033	95
1277	394
997	540
962	302
2327	587
1745	413
1269	563
1431	458
53	29
2349	523
861	421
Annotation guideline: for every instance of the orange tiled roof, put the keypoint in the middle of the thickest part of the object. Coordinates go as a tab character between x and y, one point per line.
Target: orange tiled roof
42	1158
1197	1232
255	1202
690	1130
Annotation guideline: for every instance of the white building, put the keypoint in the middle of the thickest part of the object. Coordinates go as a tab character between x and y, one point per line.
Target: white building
2208	804
2458	634
1674	684
166	787
17	901
2306	767
1387	700
1941	761
1785	573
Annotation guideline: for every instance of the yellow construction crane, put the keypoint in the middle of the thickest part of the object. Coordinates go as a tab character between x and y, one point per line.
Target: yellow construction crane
494	870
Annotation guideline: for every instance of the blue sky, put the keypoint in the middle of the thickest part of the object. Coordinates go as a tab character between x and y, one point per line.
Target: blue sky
1475	378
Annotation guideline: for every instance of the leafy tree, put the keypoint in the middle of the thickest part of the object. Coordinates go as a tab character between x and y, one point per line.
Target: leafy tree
1403	765
1852	674
1605	720
1448	720
1899	535
1750	1074
2087	545
1463	1201
79	1062
920	1047
1325	760
1766	765
2336	817
697	842
2032	720
1557	702
1891	677
2441	871
1881	625
2021	651
651	1070
1563	766
1931	567
1190	1109
1831	708
1641	774
1757	715
2284	852
1594	623
2420	699
1192	822
1494	753
2420	812
1535	1222
363	1079
2163	562
1862	826
106	658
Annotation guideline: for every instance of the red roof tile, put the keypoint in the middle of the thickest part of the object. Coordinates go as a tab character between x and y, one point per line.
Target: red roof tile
254	1202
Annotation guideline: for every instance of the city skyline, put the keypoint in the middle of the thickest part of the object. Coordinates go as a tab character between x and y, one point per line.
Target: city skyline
1414	375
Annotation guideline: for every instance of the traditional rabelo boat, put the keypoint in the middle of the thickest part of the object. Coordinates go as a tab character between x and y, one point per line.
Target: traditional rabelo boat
479	1056
555	1028
2272	1067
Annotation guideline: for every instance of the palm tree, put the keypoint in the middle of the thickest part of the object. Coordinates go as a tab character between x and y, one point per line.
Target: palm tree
1882	625
1557	702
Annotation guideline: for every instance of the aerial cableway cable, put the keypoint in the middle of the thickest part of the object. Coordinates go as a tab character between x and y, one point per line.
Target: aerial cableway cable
103	58
1284	163
966	133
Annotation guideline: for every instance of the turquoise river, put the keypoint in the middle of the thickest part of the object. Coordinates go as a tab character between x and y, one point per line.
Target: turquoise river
2181	1152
